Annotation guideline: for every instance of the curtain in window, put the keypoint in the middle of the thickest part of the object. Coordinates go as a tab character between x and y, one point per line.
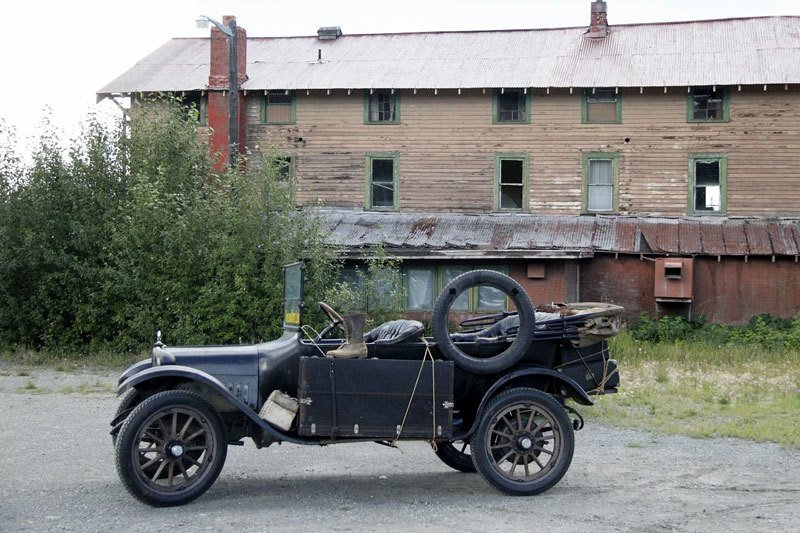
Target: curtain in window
419	288
448	274
601	185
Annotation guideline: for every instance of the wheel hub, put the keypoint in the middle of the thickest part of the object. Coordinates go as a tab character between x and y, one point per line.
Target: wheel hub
175	450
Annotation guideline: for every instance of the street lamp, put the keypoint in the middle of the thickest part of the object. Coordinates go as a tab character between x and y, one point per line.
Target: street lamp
233	77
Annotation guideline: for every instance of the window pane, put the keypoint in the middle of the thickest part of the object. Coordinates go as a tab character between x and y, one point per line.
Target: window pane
419	288
602	95
601	198
491	299
707	104
279	113
707	192
601	172
511	183
279	98
601	112
382	183
706	172
511	171
511	106
448	274
381	107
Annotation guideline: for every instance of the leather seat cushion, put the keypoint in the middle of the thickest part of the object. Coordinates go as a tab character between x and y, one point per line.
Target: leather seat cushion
395	331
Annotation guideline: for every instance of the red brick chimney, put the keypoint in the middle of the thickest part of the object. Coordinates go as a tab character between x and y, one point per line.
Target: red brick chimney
218	87
598	24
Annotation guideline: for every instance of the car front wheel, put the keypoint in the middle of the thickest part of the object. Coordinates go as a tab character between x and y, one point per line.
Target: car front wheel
524	442
171	448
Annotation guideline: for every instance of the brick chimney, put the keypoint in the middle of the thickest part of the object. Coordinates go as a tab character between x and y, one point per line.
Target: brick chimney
218	87
598	24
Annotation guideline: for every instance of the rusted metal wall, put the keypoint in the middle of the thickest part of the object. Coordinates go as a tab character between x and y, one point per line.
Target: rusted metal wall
730	290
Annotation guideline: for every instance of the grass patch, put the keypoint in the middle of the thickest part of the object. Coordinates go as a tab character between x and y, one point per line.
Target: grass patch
30	387
87	387
64	362
703	390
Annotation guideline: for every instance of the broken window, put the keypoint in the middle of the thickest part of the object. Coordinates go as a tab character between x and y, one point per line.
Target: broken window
708	104
602	106
193	106
382	182
600	182
278	107
511	183
382	107
511	105
708	184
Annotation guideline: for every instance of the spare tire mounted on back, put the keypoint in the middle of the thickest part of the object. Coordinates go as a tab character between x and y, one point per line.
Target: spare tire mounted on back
510	355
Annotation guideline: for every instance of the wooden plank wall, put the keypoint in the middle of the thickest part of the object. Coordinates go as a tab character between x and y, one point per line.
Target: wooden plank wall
447	144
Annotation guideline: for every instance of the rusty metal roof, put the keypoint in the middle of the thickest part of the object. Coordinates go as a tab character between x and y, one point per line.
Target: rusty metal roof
523	235
752	51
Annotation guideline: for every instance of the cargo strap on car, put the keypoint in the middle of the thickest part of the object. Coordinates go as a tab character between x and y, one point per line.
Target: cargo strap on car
425	357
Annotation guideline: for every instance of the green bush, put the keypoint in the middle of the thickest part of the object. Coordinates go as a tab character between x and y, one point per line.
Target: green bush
124	234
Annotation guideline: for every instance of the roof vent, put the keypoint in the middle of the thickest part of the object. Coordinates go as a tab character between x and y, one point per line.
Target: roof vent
598	24
329	33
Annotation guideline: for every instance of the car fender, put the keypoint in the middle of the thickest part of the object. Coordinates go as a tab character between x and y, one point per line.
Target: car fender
573	389
134	369
158	373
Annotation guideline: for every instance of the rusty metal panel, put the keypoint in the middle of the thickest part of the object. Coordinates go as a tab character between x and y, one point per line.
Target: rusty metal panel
627	236
758	241
734	237
661	235
711	235
782	239
723	52
689	234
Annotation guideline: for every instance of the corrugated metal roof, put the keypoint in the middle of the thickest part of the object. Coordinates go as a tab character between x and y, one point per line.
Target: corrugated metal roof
720	52
520	235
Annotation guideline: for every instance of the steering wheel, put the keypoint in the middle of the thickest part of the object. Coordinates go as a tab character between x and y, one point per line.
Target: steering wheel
336	320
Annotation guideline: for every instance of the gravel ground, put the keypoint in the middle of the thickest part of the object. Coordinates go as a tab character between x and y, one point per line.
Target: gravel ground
57	474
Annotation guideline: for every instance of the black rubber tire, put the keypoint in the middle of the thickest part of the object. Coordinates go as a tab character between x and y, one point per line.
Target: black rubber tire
452	456
127	402
132	433
491	452
510	355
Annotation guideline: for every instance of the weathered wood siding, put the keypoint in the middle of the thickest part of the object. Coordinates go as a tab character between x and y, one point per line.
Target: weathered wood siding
447	145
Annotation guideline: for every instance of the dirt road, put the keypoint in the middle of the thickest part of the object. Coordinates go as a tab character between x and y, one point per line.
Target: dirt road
57	473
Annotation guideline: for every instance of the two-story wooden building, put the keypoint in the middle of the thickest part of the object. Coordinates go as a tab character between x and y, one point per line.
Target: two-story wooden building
656	166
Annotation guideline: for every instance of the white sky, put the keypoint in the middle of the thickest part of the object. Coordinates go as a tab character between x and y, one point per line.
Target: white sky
57	53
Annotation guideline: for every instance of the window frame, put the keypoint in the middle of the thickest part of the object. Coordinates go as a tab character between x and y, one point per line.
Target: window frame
590	156
726	105
438	284
723	183
395	157
496	106
511	156
265	104
587	93
367	97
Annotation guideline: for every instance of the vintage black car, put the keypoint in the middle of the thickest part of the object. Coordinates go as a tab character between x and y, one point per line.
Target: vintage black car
491	397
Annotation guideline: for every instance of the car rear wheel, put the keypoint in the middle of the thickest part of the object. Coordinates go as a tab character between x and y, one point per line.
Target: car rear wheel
524	442
171	448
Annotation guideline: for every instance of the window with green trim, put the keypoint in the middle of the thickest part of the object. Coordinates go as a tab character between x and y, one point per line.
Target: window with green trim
602	106
511	182
423	283
708	104
381	107
382	181
708	187
278	107
511	106
600	171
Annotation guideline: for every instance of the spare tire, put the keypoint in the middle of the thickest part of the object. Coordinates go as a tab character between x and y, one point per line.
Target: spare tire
503	360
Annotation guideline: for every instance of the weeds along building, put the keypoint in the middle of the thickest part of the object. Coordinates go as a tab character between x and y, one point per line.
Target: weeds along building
656	166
